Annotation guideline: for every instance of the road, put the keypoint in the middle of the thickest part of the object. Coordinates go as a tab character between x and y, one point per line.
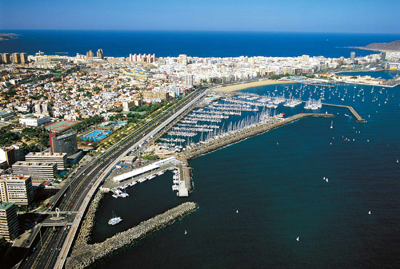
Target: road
73	193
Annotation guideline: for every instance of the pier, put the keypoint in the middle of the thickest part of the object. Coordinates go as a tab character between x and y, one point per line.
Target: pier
84	254
238	136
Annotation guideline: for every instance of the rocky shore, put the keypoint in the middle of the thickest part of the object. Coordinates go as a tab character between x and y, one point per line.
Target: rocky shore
89	221
83	254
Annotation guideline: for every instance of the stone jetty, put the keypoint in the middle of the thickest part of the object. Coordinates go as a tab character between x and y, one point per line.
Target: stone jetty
236	137
88	223
351	109
84	254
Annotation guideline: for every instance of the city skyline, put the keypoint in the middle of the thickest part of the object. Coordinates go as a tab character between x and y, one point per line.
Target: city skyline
177	15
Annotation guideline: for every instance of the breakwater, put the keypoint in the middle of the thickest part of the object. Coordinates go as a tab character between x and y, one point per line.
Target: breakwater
84	254
88	223
246	133
351	109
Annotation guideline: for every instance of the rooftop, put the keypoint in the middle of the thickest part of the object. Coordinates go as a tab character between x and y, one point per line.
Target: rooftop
14	177
45	154
33	164
5	205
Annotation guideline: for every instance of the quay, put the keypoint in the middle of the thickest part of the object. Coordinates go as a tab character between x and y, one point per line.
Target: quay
148	172
236	137
84	254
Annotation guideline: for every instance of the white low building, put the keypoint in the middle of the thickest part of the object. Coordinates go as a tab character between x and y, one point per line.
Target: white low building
34	121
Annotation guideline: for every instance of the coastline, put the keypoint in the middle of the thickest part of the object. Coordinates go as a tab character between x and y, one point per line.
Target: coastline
238	87
376	50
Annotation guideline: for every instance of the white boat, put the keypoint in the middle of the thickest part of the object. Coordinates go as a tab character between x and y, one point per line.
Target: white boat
185	232
160	173
151	177
332	125
175	187
298	238
115	195
143	179
114	220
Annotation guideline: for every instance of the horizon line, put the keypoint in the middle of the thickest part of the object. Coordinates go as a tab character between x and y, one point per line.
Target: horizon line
212	31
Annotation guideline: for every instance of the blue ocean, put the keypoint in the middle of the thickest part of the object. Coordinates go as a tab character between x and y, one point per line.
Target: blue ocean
201	44
274	180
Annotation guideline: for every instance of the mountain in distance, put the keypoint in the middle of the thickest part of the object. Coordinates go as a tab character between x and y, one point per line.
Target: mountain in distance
392	46
7	36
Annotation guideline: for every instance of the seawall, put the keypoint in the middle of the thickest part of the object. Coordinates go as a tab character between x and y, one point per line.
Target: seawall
83	254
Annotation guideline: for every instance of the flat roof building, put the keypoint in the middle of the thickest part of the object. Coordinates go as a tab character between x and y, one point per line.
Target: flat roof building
33	121
36	170
9	227
46	157
17	189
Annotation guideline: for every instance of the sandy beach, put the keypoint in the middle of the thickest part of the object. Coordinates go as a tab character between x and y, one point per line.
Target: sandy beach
239	87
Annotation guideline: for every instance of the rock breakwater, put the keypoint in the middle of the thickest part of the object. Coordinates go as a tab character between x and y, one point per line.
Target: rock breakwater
83	254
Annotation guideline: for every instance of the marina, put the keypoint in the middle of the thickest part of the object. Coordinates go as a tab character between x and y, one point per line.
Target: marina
241	125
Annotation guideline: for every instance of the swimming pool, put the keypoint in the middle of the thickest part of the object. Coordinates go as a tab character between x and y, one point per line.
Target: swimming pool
96	135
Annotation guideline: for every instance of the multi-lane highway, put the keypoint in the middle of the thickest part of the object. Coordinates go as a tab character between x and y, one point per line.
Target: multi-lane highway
74	192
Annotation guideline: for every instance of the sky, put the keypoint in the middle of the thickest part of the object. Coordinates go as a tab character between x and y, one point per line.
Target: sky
338	16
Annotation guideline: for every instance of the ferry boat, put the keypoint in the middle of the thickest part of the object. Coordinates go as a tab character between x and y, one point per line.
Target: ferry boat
114	220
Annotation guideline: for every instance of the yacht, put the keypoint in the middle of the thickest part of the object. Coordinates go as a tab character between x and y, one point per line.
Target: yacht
114	220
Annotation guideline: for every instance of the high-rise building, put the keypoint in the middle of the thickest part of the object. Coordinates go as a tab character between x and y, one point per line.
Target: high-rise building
6	58
16	188
44	171
189	81
15	58
44	108
383	56
64	143
90	54
9	227
182	59
352	56
1	58
11	154
100	54
46	157
305	58
23	57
